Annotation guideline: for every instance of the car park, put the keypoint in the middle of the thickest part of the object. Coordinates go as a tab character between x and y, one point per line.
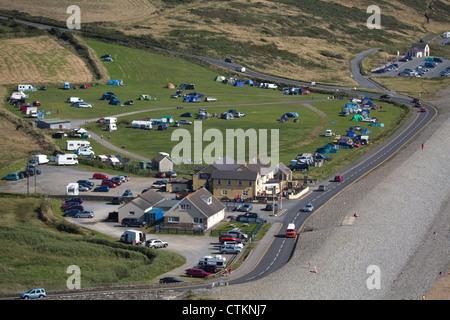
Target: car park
34	294
133	222
101	189
198	273
99	176
84	214
308	208
169	280
156	243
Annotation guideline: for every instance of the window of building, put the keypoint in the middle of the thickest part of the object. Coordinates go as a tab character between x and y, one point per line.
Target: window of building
245	193
224	192
229	182
185	207
173	219
218	182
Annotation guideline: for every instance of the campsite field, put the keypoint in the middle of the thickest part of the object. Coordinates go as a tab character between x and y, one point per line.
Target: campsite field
144	72
40	59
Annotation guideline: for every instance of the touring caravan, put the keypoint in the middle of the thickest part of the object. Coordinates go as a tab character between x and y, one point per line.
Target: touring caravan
72	189
136	124
25	87
133	237
75	144
66	159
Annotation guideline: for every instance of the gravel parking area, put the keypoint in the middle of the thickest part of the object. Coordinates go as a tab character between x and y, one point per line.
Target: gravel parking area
401	233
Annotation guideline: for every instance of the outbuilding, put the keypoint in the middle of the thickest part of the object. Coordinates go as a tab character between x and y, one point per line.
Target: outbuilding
54	123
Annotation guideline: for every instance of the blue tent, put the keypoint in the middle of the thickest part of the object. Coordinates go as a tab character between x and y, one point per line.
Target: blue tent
249	82
239	84
351	133
115	83
114	102
365	131
191	99
284	118
109	59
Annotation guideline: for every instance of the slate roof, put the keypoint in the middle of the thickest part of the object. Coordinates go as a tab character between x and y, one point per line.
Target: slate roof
209	210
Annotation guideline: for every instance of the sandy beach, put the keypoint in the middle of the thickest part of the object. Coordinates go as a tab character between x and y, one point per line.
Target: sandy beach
398	247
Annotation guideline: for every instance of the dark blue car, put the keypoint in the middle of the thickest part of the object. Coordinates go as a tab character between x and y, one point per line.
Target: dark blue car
101	189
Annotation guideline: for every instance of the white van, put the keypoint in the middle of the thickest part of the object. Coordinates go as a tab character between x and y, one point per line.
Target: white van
66	159
328	133
133	237
217	261
240	69
110	120
74	99
41	159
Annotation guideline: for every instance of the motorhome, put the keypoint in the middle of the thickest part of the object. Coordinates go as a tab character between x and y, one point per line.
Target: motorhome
217	261
137	124
290	231
109	120
66	159
72	145
133	237
74	99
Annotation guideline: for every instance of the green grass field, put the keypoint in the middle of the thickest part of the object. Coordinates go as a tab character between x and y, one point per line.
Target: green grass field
34	252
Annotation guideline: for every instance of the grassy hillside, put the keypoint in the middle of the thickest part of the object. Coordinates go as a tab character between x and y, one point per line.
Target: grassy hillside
36	248
311	40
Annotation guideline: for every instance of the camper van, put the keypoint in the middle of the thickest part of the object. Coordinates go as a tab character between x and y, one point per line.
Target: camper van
111	127
66	159
40	158
72	145
133	237
109	120
83	151
328	133
290	231
217	261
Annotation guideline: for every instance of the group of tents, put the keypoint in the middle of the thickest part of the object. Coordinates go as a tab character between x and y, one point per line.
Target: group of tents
233	81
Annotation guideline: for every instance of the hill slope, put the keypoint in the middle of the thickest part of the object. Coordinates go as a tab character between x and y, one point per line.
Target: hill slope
310	39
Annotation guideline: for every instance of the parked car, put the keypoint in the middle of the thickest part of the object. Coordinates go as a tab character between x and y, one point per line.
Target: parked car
116	180
171	174
108	183
99	176
227	237
77	207
156	243
86	183
133	222
158	184
84	214
125	177
237	234
251	215
199	273
187	114
75	199
127	194
34	294
101	189
169	280
68	205
246	207
11	176
269	207
183	121
71	212
208	268
338	178
308	208
230	249
161	175
162	127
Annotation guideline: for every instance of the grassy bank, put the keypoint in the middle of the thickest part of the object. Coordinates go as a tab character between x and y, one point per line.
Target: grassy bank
36	248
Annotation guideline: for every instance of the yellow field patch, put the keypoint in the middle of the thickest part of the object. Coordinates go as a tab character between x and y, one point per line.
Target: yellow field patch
40	60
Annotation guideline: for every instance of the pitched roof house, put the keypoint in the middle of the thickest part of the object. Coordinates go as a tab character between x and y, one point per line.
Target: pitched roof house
418	50
138	207
199	210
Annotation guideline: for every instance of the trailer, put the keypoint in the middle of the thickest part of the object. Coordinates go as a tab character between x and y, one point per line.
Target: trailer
138	124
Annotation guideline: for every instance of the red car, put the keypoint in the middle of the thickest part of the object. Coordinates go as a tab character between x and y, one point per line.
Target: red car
227	237
199	273
423	109
108	184
338	178
99	176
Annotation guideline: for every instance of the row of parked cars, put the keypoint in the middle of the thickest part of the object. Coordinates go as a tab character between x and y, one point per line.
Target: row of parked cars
106	183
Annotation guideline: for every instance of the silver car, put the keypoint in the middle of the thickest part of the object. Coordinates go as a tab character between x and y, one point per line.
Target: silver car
84	214
308	208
